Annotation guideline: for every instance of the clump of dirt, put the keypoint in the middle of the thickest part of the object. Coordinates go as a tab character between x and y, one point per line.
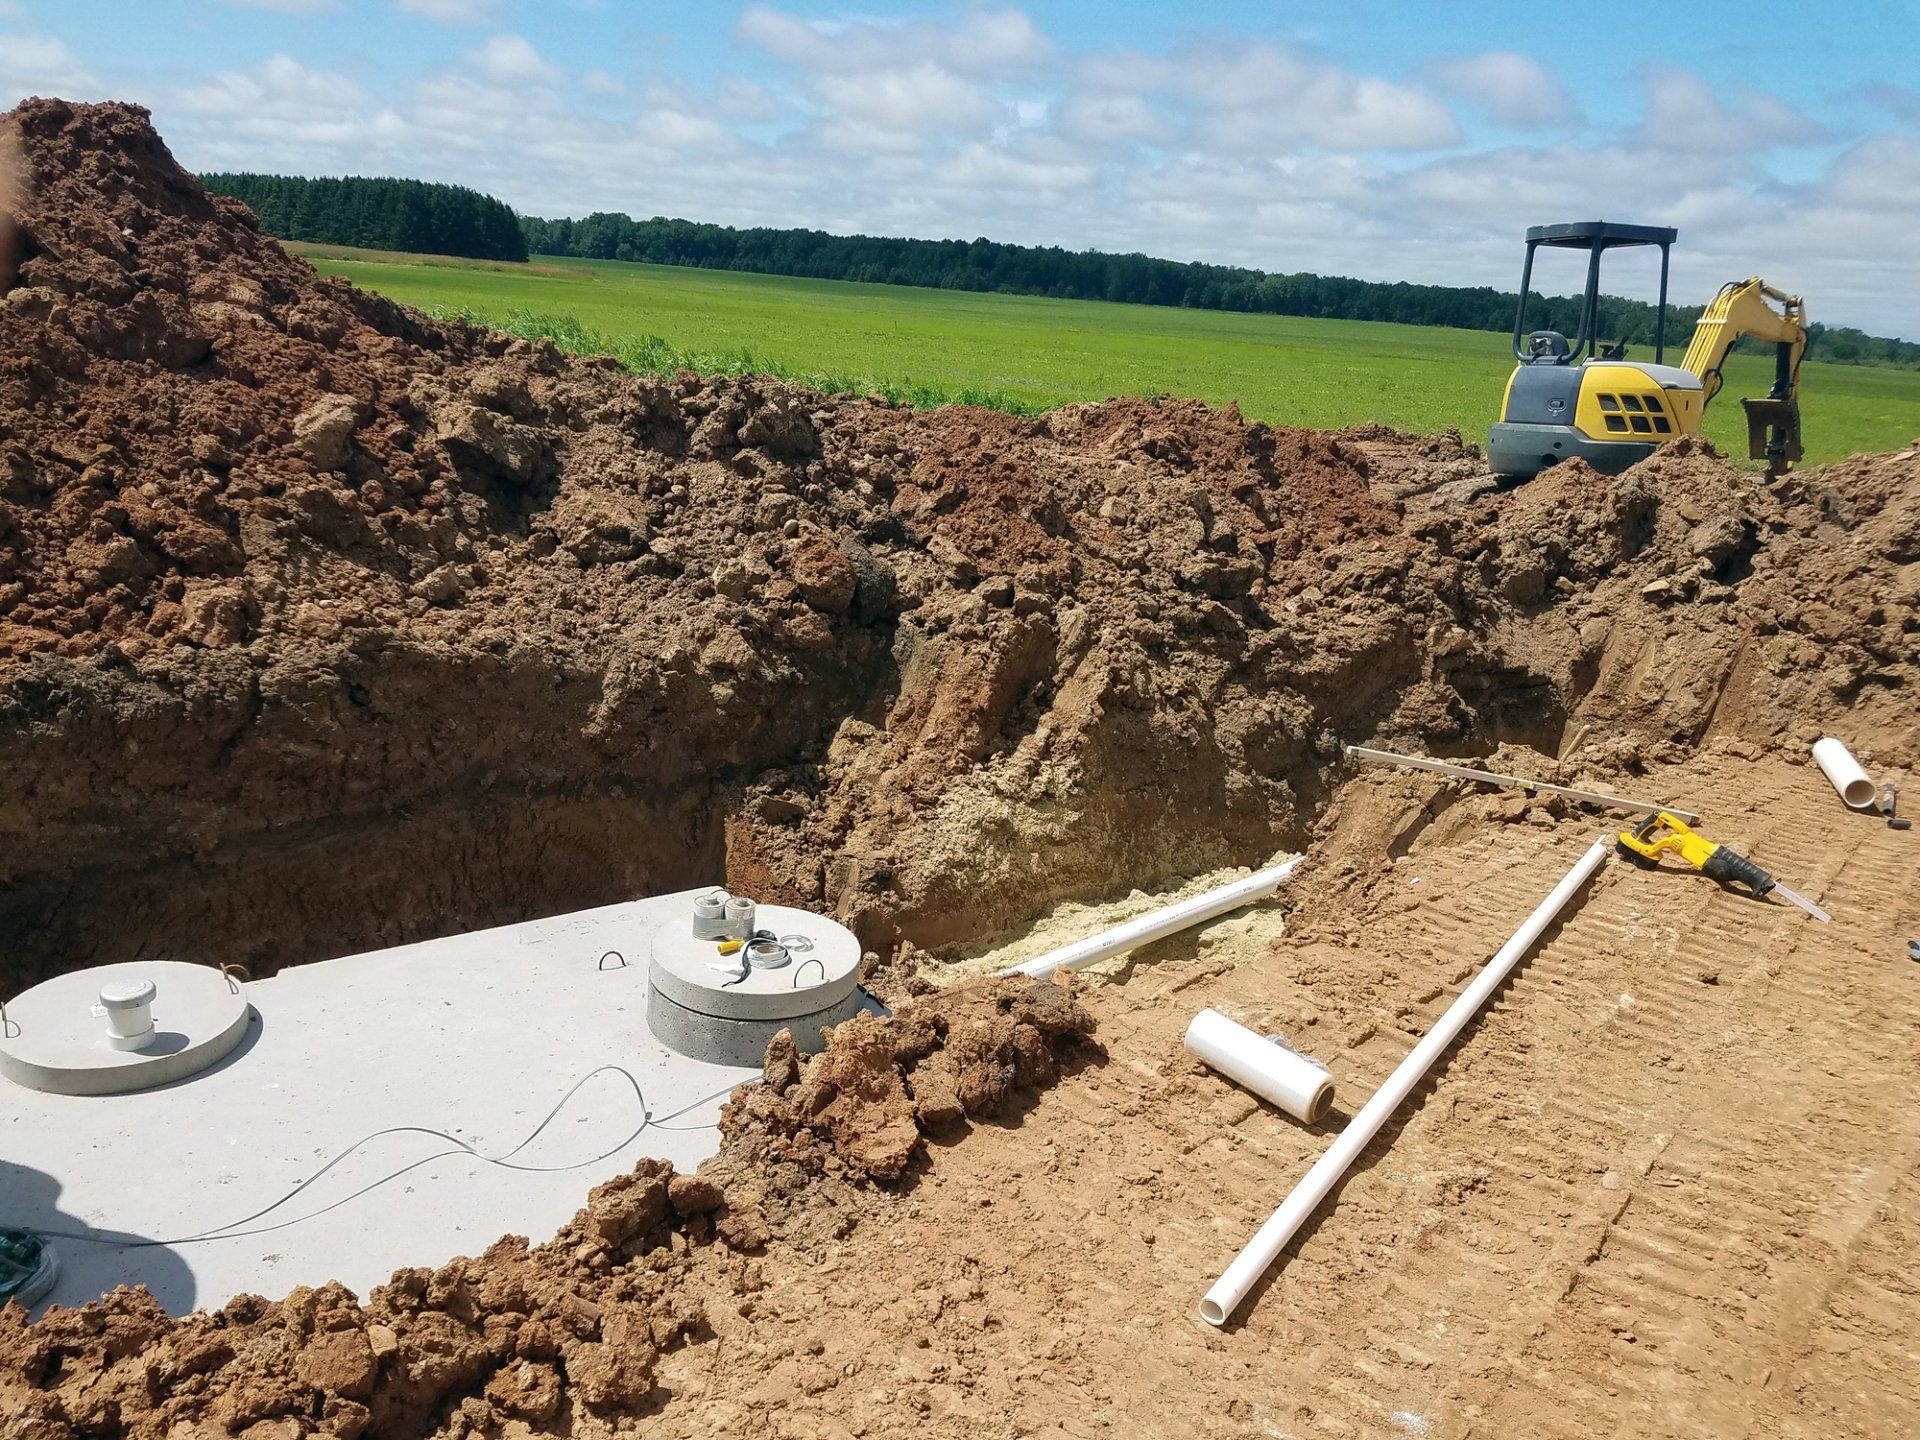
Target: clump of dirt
860	1107
566	1336
325	625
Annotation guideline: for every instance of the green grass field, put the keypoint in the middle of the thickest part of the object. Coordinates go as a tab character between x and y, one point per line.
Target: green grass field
1015	352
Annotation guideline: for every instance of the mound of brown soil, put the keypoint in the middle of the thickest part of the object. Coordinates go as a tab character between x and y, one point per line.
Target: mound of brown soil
326	625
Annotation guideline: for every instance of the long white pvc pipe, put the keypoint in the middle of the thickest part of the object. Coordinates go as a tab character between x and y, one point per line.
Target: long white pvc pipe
1843	772
1301	1087
1158	923
1251	1263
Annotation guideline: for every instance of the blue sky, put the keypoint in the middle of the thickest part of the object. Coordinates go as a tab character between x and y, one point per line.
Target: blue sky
1389	141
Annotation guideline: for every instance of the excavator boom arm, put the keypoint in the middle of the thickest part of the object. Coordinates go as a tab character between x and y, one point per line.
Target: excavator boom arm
1739	309
1742	308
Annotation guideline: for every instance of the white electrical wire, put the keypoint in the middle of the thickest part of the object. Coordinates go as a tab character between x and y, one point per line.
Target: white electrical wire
232	1230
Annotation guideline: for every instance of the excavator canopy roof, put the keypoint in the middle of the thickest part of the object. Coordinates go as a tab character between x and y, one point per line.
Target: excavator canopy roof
1599	235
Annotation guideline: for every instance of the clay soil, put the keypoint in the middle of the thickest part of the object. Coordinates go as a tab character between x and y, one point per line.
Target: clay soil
325	625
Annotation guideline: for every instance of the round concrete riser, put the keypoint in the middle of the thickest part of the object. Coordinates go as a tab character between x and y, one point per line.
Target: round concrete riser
699	1005
723	1041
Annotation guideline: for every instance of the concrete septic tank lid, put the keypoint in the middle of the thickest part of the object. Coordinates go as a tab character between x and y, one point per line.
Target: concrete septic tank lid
693	973
52	1039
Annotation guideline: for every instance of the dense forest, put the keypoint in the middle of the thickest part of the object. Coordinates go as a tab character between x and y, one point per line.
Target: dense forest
410	215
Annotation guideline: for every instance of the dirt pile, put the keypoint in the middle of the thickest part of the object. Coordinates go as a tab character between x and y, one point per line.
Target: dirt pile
565	1336
325	625
860	1108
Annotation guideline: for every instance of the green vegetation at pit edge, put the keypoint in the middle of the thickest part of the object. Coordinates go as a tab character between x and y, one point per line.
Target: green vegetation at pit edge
650	355
1025	354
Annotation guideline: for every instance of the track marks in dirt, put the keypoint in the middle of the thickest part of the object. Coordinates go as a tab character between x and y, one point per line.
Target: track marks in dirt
1658	1189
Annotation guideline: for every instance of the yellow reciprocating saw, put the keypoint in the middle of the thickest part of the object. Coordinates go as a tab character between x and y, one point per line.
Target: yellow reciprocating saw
1645	844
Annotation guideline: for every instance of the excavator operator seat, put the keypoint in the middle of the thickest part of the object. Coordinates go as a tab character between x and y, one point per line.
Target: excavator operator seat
1548	347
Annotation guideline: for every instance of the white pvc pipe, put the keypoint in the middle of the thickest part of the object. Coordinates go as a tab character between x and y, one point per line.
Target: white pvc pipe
1156	924
1299	1086
1251	1263
1843	772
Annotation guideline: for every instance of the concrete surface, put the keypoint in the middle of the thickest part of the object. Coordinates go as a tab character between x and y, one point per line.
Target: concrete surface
479	1035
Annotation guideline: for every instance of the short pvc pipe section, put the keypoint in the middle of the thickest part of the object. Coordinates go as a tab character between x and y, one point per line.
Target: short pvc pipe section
1217	1307
1843	772
1301	1087
1157	924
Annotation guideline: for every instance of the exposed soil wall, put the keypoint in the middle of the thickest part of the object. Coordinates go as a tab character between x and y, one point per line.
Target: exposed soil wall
324	625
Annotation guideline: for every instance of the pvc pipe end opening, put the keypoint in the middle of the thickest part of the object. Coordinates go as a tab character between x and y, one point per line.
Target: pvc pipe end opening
1859	794
1317	1107
1212	1313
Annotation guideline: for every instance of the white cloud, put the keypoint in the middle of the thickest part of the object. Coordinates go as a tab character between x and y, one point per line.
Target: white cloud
684	131
874	86
1258	97
289	7
41	65
291	107
993	42
1683	112
746	101
1512	89
603	84
1111	119
449	12
1900	101
512	60
922	104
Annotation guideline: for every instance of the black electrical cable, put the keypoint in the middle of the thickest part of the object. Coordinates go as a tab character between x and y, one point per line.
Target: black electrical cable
233	1231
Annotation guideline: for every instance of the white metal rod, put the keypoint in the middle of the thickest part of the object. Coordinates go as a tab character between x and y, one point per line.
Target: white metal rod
1265	1247
1156	924
1467	772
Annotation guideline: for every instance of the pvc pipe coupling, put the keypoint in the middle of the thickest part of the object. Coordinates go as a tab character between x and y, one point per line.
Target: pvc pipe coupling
720	916
710	916
1843	772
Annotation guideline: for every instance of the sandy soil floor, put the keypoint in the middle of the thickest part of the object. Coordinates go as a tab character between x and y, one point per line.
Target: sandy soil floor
1666	1187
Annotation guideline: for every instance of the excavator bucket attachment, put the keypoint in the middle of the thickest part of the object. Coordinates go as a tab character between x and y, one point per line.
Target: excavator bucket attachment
1773	432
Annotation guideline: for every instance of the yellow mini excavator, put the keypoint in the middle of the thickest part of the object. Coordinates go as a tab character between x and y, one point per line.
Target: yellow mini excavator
1611	411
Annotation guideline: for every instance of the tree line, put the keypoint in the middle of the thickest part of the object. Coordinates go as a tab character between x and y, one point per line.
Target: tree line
988	265
434	219
379	214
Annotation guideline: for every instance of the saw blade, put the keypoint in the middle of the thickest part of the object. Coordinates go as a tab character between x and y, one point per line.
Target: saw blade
1805	904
